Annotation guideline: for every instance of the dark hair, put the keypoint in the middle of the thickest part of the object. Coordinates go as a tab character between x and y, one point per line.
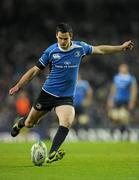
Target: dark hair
64	27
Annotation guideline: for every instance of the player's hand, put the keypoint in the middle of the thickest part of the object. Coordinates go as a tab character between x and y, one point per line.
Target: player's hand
13	90
128	45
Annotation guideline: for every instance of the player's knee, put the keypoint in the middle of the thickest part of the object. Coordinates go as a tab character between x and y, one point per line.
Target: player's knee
67	124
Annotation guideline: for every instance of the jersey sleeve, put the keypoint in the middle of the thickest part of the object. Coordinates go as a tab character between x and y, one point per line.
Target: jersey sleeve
87	48
44	59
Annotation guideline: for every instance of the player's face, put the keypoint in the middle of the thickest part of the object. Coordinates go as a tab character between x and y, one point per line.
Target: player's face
64	40
123	69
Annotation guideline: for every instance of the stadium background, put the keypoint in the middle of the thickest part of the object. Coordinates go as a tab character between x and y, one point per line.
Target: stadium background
28	27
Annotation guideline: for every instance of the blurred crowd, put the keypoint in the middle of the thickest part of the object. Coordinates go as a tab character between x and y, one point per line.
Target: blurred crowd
28	28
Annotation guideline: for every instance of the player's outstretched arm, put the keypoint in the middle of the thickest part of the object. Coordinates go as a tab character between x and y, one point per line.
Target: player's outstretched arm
27	77
108	49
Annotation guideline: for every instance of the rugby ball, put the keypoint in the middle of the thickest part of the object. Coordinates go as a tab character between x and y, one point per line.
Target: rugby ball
38	153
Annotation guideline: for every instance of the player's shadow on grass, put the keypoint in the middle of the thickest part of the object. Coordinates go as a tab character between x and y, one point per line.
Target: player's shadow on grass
26	166
15	166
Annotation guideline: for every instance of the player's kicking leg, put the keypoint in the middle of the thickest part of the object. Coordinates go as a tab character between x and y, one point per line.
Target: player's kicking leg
18	126
32	119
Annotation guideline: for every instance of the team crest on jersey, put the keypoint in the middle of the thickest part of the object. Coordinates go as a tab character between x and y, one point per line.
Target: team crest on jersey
77	54
56	56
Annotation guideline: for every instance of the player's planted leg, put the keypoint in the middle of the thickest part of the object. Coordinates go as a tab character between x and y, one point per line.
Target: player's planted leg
59	138
18	126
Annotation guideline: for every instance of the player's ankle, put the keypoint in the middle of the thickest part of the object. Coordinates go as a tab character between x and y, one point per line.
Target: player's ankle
21	122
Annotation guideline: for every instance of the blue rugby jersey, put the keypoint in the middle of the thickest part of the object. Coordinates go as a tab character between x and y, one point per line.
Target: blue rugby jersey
123	83
61	82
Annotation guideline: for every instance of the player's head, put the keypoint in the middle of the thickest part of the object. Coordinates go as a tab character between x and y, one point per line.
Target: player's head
123	68
64	35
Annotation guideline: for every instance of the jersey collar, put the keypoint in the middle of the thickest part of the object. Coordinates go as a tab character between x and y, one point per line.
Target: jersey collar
65	50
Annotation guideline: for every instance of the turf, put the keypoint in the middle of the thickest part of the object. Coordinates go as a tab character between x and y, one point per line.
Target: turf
83	161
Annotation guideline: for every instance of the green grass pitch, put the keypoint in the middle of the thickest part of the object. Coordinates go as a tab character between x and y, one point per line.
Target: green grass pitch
83	161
